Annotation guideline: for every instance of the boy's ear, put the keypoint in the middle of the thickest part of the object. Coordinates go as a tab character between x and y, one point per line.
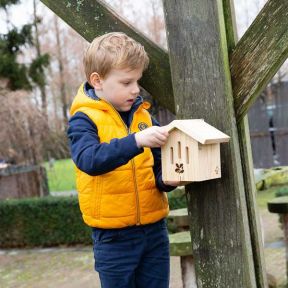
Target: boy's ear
96	81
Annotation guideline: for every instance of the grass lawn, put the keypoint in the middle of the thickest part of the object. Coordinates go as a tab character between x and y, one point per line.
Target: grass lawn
61	175
268	194
265	196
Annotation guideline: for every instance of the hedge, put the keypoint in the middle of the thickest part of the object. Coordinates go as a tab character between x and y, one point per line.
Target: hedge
177	198
51	221
47	221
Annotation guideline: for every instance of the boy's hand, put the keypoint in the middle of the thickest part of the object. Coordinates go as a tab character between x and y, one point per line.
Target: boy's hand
152	137
172	183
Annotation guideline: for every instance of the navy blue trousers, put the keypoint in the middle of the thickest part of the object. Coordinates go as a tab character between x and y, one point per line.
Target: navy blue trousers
132	257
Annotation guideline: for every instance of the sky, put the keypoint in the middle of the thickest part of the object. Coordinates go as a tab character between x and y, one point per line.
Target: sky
20	14
245	11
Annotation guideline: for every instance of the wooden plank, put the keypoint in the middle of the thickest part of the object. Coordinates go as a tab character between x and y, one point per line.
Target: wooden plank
180	244
260	137
91	18
278	205
281	149
202	88
252	208
259	54
262	151
247	164
18	169
281	122
178	218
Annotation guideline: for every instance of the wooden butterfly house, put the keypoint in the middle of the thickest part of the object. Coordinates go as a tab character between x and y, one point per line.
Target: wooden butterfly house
192	151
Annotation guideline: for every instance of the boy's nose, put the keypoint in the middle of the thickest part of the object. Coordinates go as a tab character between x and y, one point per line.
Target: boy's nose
136	89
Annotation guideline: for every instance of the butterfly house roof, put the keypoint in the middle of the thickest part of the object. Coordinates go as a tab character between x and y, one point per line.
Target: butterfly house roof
199	130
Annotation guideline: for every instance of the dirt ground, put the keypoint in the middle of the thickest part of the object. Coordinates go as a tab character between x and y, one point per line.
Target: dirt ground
57	268
73	267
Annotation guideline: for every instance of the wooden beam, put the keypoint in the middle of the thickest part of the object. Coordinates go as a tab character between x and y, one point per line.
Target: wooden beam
247	163
202	87
91	18
259	54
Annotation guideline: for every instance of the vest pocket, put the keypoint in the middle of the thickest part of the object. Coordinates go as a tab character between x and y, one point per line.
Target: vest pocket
96	197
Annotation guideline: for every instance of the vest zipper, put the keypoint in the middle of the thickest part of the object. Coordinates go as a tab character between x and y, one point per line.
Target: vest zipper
132	163
136	187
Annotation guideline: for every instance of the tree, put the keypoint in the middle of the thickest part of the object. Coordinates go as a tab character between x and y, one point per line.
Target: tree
21	76
61	72
23	129
10	47
38	65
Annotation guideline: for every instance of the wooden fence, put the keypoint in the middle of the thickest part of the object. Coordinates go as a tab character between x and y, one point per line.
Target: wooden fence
268	122
19	181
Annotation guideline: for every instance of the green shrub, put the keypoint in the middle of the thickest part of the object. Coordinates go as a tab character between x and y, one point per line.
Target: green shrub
283	191
177	198
51	221
47	221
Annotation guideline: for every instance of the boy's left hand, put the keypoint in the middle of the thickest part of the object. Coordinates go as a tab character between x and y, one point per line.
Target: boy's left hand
172	183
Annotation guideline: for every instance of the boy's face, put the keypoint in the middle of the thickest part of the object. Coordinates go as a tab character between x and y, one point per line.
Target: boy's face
120	88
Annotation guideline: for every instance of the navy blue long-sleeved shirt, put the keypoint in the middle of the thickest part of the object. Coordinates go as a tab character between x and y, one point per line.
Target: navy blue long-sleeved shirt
95	158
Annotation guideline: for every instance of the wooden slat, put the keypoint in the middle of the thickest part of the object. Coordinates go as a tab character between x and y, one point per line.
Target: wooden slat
91	18
17	169
178	218
247	163
278	205
259	54
202	86
180	244
260	136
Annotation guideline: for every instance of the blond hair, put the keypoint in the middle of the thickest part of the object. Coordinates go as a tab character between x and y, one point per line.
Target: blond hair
114	50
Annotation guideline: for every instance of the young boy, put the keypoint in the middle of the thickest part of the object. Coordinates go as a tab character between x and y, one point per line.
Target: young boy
115	146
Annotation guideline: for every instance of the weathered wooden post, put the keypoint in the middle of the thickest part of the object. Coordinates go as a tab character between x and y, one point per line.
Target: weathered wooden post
280	206
199	44
202	88
253	62
227	247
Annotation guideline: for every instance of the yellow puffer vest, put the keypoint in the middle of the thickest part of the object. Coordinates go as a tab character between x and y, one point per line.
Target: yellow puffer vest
127	195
